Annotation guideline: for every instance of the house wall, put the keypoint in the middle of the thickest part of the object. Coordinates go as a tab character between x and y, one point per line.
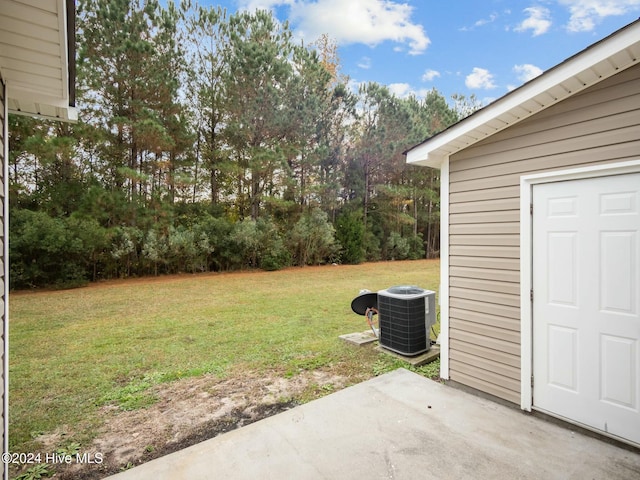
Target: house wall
598	125
3	142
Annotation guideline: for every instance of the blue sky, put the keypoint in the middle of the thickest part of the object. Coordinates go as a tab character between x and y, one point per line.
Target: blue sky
468	47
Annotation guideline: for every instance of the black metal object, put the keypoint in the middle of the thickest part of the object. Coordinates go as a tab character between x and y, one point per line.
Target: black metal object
367	304
364	301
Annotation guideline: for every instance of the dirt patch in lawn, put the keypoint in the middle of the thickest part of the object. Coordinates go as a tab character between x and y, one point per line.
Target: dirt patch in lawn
190	411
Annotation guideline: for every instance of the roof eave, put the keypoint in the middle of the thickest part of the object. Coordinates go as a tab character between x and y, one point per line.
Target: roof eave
39	94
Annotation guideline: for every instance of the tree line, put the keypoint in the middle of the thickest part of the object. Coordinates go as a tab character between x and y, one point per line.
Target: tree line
210	141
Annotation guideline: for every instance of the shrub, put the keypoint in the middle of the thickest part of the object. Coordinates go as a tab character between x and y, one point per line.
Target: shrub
222	254
154	249
47	251
398	248
416	247
125	243
372	248
258	244
350	236
312	239
273	252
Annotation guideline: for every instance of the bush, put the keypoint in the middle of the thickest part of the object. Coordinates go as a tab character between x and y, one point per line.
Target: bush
222	254
46	251
416	247
398	248
154	249
404	248
125	244
93	238
182	251
273	253
372	248
312	239
350	236
245	239
258	244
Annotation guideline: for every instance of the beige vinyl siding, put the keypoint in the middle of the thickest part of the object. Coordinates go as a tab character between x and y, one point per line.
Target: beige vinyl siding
2	279
596	126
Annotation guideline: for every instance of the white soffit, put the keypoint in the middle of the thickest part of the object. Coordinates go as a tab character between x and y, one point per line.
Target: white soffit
602	60
34	60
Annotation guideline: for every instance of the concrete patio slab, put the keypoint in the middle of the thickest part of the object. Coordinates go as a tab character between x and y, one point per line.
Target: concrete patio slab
397	426
359	338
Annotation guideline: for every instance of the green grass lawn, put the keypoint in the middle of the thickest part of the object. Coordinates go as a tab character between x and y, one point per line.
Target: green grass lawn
73	351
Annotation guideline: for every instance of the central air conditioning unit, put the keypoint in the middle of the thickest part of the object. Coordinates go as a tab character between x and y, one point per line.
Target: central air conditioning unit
405	316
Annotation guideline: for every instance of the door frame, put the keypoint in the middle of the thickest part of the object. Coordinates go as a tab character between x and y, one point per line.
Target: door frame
526	256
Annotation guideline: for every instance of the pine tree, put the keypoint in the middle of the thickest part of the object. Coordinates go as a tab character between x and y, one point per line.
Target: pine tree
258	71
206	93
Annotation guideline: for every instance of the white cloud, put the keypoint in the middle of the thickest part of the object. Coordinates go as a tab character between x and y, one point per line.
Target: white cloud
538	21
527	71
364	63
585	14
430	75
404	90
253	5
352	21
483	21
480	78
400	90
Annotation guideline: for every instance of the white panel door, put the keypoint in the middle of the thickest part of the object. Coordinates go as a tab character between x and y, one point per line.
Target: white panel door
586	302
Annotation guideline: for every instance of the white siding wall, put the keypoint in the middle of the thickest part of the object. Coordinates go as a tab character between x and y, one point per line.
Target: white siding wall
598	125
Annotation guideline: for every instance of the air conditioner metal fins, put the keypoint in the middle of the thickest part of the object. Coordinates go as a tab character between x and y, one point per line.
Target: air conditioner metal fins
405	316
